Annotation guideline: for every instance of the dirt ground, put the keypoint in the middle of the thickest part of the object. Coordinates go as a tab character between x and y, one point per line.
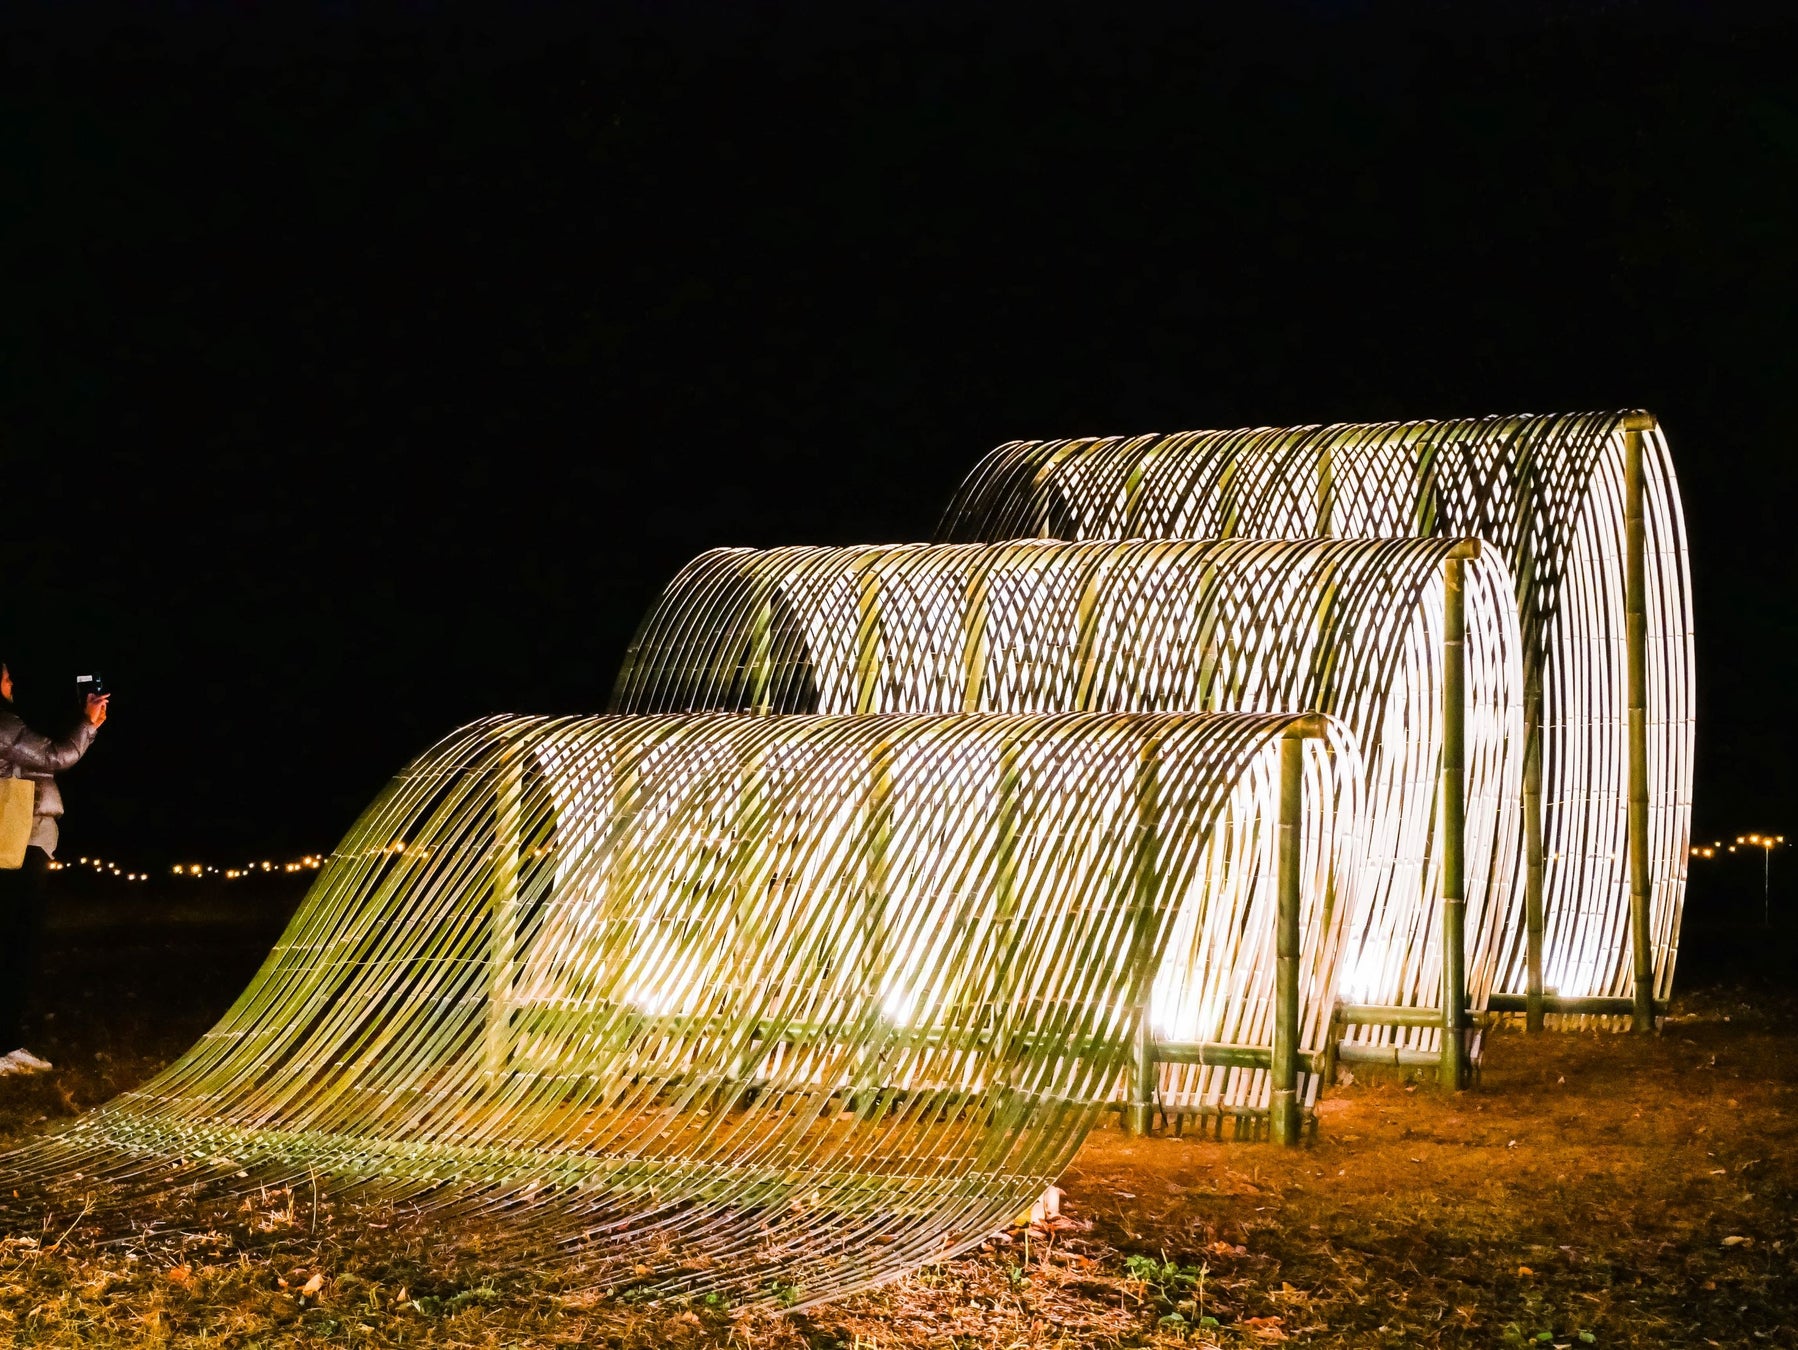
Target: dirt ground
1592	1190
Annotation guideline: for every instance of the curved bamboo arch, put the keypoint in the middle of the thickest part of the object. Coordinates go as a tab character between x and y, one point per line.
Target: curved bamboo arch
1353	628
771	1007
1567	500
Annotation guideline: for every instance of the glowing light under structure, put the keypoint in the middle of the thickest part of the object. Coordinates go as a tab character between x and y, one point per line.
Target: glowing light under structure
1585	511
777	1007
1353	628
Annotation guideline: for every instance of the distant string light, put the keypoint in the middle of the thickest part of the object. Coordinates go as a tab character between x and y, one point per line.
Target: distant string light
311	862
1766	843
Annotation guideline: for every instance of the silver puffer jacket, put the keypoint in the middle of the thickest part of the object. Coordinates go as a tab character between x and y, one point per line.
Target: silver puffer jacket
25	754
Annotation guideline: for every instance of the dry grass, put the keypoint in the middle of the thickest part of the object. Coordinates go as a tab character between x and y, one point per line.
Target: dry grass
1591	1191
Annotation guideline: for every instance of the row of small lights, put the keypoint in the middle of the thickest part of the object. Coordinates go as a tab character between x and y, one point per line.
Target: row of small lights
310	863
1760	841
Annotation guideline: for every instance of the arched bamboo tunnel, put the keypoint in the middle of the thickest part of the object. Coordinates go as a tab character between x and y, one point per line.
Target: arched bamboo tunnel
1585	511
1353	628
778	1007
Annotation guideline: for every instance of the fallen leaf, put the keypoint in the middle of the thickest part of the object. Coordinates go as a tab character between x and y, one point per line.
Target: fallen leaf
313	1285
1267	1328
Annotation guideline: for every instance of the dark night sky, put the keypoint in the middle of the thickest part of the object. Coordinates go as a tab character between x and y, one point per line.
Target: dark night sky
358	378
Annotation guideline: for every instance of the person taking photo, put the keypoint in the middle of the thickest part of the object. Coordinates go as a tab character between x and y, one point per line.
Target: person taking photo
25	753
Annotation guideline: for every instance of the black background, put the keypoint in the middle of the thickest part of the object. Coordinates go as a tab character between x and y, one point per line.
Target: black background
363	375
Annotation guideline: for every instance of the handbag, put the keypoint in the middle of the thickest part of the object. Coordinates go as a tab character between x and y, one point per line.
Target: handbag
18	803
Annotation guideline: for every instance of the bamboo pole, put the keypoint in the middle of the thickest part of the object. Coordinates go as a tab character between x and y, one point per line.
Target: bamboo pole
1388	1015
761	653
1454	819
1326	489
878	824
974	642
1283	1105
867	641
1086	637
1142	1060
1006	926
1227	1055
1532	836
1636	633
503	906
1590	1005
1387	1056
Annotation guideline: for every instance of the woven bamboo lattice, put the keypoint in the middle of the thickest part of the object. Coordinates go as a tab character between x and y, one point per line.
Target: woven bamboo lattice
1353	628
1551	494
777	1007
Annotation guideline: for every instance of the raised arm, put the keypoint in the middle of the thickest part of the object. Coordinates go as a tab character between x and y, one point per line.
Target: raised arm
36	753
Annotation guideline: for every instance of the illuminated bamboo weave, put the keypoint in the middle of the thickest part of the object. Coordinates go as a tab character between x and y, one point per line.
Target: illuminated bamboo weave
777	1007
1585	511
1353	628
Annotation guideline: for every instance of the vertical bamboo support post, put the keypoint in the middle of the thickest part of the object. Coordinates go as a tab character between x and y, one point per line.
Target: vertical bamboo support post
879	827
1326	490
1636	634
1086	637
761	653
1454	818
1141	1103
1532	842
974	642
867	641
1133	528
1283	1098
503	908
1530	620
750	887
1005	900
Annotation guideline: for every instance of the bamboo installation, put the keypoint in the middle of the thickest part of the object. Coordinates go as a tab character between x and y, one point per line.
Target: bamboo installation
893	867
1585	510
768	1007
1354	628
